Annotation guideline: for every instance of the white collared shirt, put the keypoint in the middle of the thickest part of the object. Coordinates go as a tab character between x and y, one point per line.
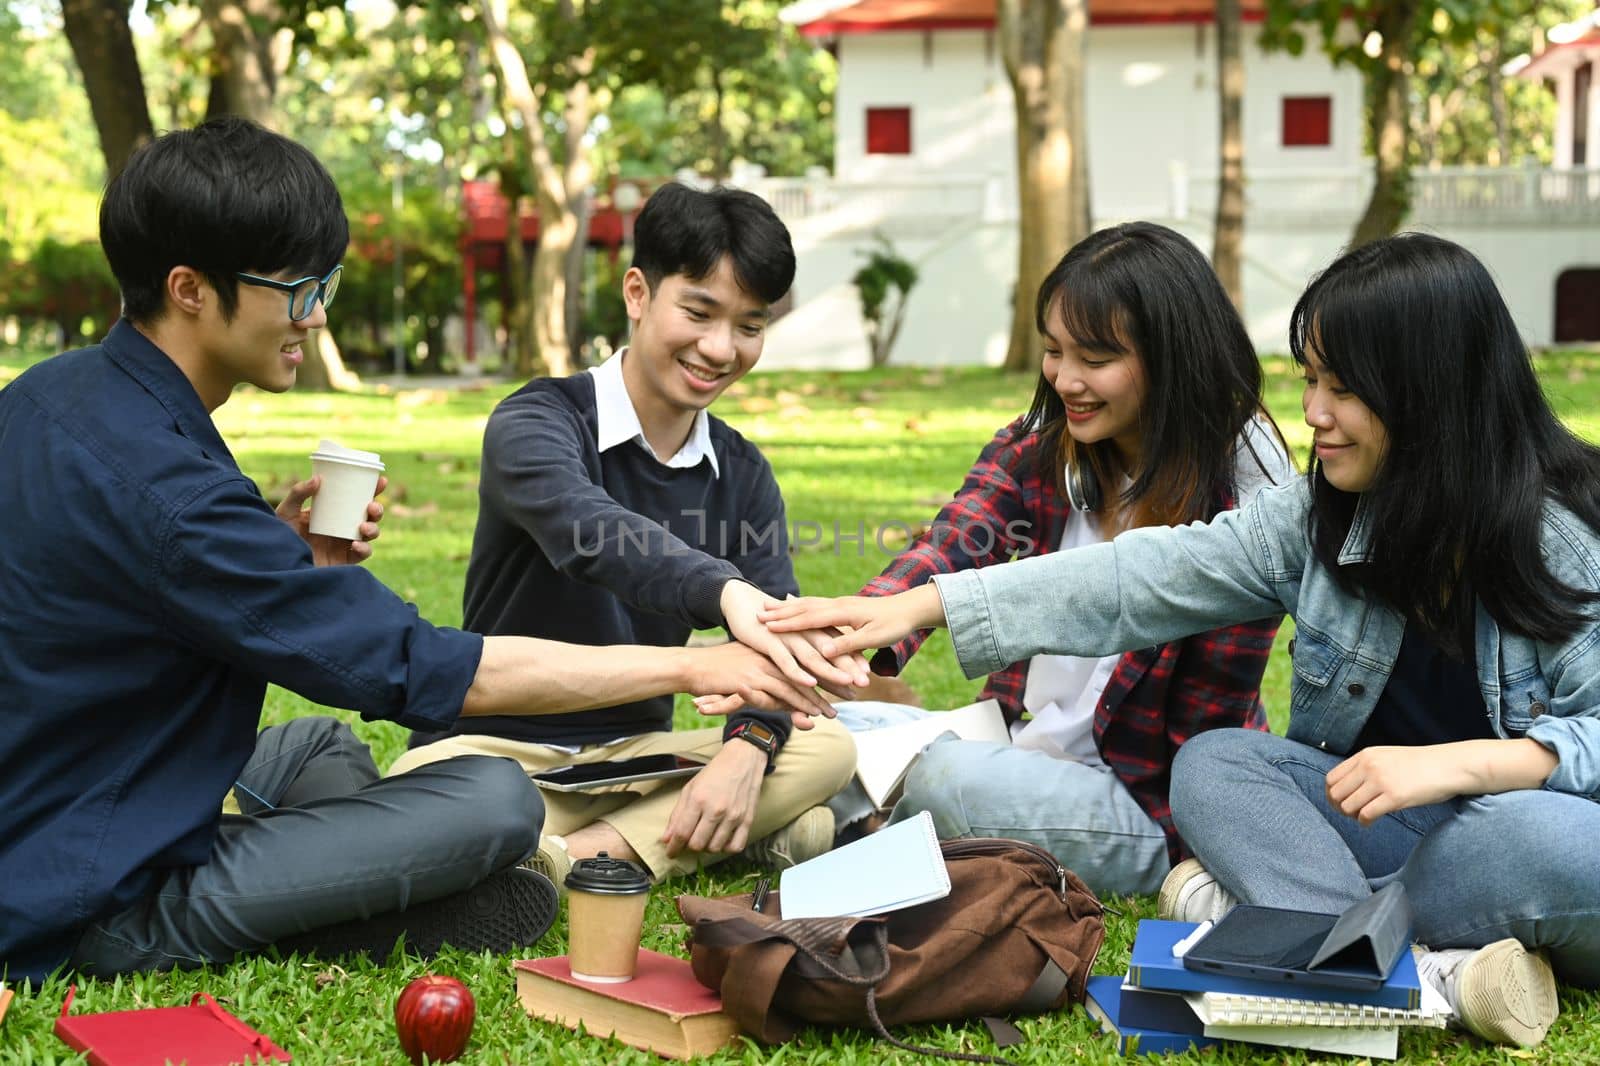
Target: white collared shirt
617	422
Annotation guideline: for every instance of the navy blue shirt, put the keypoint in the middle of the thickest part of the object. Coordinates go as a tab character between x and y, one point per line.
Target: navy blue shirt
148	594
1431	697
612	547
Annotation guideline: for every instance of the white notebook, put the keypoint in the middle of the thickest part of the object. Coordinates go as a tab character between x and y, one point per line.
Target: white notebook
1223	1008
884	756
898	866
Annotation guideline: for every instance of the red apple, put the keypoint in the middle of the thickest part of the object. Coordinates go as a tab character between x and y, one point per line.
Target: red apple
433	1017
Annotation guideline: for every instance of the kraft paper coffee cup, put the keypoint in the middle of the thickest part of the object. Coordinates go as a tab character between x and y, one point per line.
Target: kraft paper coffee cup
349	481
605	912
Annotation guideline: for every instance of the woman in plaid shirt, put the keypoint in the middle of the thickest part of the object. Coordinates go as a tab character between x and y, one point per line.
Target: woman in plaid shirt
1147	412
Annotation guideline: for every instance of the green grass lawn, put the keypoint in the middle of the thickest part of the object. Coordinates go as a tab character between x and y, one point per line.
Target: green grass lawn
870	451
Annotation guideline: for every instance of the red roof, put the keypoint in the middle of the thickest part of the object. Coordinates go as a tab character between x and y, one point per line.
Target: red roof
875	16
1590	41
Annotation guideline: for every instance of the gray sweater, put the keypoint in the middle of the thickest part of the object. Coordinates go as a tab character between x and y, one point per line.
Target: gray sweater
610	548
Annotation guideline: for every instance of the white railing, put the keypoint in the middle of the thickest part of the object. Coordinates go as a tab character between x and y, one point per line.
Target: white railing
1495	194
1442	195
1439	196
867	202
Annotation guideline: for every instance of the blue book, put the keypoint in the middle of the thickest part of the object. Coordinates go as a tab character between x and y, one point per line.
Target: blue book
1104	1002
1154	967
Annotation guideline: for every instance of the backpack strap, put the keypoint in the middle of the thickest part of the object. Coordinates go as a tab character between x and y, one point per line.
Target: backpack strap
1046	992
750	986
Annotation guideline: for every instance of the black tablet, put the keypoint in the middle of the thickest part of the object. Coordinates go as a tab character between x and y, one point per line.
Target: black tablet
587	776
1268	943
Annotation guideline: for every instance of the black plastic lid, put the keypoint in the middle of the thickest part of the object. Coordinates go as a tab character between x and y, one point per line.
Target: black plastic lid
607	875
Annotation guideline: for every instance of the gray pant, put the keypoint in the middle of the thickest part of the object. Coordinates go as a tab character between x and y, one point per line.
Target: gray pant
321	840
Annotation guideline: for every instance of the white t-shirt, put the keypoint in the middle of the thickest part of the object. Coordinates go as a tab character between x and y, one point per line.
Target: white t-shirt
1062	690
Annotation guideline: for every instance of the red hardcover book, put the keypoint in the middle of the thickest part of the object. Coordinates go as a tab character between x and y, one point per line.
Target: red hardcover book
663	1009
201	1034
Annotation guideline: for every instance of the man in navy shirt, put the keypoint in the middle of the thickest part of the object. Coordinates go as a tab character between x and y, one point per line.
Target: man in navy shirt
148	594
614	508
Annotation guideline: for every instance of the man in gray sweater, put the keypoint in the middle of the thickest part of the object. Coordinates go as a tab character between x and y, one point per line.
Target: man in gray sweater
613	508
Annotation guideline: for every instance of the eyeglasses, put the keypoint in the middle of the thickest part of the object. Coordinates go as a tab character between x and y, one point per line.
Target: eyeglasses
303	294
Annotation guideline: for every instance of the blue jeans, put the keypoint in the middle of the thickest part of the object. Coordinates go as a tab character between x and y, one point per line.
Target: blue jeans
1523	864
1083	815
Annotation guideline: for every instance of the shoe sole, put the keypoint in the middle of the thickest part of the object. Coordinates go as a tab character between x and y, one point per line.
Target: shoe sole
511	909
1176	889
1507	994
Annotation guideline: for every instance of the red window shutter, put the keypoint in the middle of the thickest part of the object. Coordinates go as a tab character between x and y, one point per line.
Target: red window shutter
1307	121
888	131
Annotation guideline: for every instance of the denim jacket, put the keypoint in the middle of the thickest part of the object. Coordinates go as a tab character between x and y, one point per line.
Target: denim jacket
1154	585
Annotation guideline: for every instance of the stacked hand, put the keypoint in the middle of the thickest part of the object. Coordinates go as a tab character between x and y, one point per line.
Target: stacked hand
330	551
816	640
796	653
859	623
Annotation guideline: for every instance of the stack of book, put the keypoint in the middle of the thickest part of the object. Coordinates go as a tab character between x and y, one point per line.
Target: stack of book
1162	1006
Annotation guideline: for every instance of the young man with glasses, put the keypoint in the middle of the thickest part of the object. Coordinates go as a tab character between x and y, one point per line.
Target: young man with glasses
148	595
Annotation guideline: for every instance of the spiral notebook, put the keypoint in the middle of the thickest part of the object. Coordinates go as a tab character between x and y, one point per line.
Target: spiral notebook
898	866
1223	1008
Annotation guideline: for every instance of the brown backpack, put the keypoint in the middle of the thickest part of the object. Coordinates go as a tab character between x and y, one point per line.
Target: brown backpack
1017	934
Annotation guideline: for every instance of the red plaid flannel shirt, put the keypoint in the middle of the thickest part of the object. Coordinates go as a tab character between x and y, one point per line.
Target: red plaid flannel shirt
1157	697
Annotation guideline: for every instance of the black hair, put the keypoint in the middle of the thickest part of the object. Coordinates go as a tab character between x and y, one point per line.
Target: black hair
685	231
1414	326
1147	288
224	197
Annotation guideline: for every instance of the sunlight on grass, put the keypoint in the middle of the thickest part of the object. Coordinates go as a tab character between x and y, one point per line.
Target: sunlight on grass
861	450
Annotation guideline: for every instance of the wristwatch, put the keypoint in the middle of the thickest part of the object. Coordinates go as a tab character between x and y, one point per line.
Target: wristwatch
758	733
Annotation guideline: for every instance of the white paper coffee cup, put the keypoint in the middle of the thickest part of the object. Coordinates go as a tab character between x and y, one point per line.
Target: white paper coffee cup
349	481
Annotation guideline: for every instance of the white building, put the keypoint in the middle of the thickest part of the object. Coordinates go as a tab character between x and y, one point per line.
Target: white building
925	154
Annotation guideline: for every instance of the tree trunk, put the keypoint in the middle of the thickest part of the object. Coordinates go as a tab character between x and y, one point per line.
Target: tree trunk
574	272
1227	248
324	368
1389	93
102	45
719	132
1500	150
1043	45
245	57
554	183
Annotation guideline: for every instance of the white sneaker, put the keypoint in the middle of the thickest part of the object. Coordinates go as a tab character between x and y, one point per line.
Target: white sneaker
1191	894
553	861
806	837
1502	992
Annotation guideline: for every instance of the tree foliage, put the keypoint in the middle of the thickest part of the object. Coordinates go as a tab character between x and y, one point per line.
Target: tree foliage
1445	53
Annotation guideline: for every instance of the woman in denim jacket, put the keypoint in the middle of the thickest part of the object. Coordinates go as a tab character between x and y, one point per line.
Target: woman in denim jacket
1441	561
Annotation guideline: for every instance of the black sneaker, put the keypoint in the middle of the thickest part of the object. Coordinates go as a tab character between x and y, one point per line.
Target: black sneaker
509	910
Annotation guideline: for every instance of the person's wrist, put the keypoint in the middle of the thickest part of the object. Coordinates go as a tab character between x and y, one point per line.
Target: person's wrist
735	596
683	667
756	735
926	606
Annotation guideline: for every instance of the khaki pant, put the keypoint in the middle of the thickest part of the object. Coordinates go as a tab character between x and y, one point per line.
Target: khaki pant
813	765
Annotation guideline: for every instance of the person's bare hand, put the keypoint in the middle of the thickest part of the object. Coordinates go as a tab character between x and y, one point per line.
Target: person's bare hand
1381	780
865	623
325	550
715	809
734	675
795	652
